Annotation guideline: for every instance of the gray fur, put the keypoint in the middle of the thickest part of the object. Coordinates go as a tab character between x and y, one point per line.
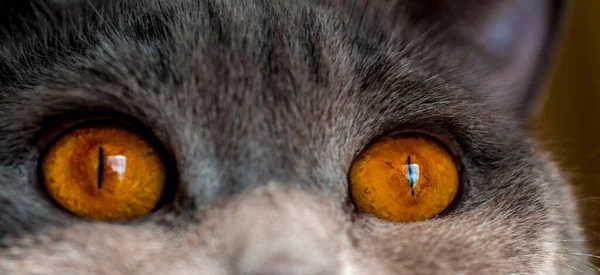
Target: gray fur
262	106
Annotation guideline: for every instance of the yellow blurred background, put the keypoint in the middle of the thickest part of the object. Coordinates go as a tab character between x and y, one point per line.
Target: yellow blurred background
569	121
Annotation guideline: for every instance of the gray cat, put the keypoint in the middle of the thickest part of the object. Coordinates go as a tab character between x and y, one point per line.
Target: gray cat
261	107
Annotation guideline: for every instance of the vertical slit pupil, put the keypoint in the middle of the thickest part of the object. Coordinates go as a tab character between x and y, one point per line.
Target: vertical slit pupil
100	166
410	177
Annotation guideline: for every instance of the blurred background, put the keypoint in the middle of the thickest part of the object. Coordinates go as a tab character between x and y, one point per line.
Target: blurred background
569	122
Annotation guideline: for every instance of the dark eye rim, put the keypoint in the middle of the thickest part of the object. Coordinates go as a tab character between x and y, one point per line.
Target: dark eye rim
57	129
445	140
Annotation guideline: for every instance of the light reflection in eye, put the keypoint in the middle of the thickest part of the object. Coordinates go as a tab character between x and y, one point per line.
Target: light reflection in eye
411	172
118	164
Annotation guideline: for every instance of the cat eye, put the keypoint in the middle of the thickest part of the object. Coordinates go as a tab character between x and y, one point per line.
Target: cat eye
104	171
404	178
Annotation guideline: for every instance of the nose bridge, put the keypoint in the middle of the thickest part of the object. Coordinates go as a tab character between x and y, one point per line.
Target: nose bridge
216	168
250	164
278	229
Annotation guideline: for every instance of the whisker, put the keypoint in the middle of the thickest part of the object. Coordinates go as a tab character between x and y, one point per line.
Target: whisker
360	22
572	267
575	268
96	11
592	266
351	14
586	255
583	240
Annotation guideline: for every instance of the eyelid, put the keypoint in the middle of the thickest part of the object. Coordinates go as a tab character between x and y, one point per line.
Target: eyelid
55	127
444	137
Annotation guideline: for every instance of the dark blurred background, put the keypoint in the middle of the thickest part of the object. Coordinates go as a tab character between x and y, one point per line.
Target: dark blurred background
569	122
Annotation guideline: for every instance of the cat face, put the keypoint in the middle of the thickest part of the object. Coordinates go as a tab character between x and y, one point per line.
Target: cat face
261	108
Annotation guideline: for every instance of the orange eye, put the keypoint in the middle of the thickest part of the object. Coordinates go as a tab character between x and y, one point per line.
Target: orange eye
104	172
404	178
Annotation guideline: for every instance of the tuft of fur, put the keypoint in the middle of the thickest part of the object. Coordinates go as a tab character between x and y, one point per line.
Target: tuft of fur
262	105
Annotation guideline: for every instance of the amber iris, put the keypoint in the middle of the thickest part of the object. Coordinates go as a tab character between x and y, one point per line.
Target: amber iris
104	172
404	178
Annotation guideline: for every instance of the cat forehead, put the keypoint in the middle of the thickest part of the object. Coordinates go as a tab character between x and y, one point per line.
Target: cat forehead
264	52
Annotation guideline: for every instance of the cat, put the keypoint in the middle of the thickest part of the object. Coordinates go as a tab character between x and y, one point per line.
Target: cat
263	106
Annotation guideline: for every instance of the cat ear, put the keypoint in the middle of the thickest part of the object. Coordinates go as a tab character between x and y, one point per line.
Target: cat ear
515	41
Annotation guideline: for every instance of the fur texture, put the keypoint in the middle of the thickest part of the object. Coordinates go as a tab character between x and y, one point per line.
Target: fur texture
262	106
